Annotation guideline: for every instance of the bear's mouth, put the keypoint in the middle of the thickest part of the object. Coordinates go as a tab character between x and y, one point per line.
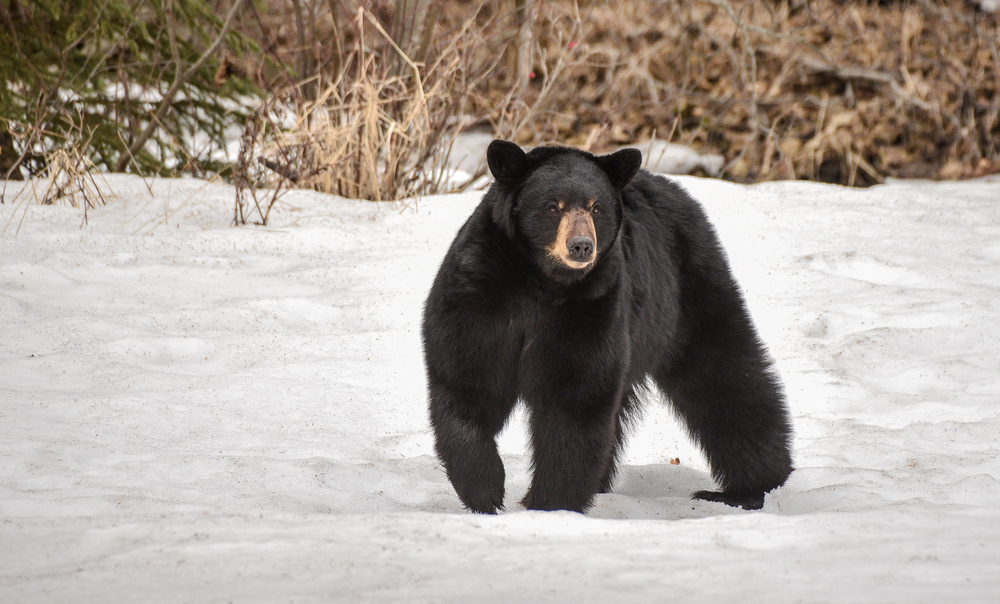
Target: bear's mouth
565	262
575	245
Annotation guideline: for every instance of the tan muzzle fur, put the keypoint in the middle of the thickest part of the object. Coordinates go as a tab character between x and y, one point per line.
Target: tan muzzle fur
575	223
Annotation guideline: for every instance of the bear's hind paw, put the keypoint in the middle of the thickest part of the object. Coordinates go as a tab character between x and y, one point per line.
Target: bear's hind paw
752	501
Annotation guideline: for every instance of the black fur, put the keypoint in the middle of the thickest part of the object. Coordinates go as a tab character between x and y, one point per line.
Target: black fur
505	321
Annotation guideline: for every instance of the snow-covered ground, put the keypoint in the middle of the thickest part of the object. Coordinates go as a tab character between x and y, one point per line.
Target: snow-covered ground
191	412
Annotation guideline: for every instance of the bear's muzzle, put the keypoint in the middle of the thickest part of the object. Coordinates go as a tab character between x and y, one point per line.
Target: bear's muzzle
576	240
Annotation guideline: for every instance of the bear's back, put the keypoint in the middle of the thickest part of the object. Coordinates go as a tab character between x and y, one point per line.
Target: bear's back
659	214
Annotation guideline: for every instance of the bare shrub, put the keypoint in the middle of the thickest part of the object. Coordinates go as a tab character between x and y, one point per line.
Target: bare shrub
846	92
259	181
383	128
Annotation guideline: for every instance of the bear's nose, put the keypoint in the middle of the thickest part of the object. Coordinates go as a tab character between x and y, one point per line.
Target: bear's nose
580	248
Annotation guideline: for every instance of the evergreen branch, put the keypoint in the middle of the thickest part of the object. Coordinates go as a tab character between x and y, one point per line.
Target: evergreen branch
179	80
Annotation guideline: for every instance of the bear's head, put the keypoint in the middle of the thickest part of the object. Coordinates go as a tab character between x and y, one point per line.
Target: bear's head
564	205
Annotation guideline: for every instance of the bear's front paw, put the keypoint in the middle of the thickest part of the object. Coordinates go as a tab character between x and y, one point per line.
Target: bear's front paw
482	501
480	488
752	501
556	501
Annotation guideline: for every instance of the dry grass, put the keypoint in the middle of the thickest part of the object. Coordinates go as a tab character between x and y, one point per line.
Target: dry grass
831	90
382	129
68	177
71	178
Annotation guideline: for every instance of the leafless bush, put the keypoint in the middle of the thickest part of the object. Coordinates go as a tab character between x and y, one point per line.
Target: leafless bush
259	184
832	90
383	127
829	90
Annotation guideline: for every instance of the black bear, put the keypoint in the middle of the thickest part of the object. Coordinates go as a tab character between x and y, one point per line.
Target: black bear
576	278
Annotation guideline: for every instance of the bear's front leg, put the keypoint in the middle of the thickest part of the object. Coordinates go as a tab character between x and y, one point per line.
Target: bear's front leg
572	380
465	427
571	452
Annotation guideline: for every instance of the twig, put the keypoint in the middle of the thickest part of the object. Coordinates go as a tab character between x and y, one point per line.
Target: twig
285	171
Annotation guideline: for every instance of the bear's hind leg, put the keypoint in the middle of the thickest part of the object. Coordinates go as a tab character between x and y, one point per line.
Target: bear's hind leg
734	408
752	501
627	413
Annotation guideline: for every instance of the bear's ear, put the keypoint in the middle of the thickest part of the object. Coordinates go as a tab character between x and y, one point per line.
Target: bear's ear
507	161
621	166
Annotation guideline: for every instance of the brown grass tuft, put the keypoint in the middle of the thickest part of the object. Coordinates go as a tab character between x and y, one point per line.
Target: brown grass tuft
69	177
383	128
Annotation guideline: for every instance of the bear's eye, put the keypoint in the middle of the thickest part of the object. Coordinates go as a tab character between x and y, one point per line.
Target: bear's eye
553	209
596	209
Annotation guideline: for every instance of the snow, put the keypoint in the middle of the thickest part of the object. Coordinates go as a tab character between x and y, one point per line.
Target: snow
198	413
668	158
